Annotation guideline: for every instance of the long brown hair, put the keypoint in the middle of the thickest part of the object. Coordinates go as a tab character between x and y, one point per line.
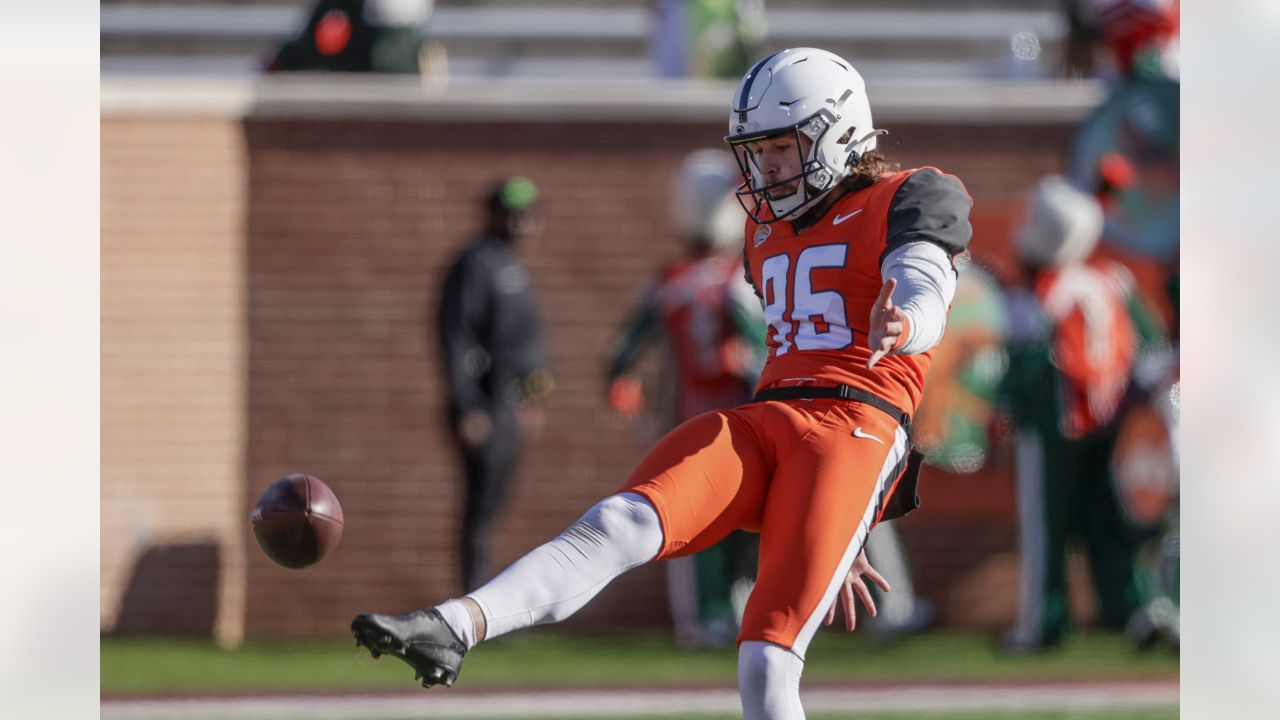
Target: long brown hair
870	169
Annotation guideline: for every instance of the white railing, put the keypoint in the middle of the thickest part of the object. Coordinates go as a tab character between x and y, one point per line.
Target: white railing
640	100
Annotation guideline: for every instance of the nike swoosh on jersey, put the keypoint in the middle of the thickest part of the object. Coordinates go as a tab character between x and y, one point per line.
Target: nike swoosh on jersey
841	218
857	432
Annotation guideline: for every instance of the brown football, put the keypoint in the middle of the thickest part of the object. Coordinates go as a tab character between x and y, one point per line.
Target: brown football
297	521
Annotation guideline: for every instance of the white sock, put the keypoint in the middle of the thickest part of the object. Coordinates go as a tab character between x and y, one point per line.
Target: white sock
557	578
769	681
459	620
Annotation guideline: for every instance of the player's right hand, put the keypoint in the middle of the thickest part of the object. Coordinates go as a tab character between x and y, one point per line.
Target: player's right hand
888	324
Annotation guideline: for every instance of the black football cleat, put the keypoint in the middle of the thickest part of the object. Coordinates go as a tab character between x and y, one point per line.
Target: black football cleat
420	638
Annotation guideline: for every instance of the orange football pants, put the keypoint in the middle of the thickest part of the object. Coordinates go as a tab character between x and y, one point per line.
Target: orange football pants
809	475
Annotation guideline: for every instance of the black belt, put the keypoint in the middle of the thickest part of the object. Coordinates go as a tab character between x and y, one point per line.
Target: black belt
837	392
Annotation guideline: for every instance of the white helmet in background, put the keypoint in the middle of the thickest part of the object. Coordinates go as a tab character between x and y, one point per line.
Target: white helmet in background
800	90
1062	225
725	226
703	207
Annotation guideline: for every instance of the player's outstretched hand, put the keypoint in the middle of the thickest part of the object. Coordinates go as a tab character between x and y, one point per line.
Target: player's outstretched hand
853	584
887	324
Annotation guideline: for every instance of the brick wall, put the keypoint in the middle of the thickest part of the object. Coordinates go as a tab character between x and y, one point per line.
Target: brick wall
347	228
173	380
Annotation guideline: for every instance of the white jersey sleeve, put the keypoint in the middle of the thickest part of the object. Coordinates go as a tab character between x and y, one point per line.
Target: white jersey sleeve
926	286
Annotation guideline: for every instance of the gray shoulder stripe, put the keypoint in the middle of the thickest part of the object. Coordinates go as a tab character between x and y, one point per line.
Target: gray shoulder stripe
930	207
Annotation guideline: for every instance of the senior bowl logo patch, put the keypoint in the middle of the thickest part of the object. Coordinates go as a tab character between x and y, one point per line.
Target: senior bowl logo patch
762	234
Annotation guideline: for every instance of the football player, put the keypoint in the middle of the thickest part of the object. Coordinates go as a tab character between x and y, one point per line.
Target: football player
855	267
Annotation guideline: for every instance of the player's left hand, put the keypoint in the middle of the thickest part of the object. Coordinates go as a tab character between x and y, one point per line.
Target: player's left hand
853	584
888	322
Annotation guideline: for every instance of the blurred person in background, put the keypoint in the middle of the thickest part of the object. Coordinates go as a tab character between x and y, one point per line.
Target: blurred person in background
705	38
1126	151
384	36
701	309
855	265
1076	331
494	360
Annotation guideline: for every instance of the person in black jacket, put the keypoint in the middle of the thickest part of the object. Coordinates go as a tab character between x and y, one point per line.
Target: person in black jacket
494	361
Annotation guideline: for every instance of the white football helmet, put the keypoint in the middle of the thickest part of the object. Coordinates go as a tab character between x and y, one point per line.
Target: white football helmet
703	205
1062	225
800	90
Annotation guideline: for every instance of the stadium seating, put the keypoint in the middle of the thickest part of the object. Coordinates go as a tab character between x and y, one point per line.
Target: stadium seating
906	39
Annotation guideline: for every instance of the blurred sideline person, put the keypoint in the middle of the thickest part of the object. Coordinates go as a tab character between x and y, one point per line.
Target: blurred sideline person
854	263
494	361
1141	118
1126	152
1075	336
384	36
711	325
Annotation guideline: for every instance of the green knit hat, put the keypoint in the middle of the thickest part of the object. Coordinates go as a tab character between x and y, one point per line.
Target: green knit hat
515	194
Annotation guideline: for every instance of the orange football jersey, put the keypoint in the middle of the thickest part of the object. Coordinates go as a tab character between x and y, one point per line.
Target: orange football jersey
818	285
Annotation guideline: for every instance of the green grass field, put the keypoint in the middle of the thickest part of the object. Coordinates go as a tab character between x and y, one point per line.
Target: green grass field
132	667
